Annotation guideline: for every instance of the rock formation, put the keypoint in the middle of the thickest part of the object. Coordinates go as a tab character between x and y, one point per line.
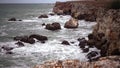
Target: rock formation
108	22
105	36
72	23
53	26
12	19
106	33
43	16
78	9
104	62
30	39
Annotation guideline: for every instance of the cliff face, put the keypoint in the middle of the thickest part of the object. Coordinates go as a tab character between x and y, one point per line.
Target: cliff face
79	9
108	22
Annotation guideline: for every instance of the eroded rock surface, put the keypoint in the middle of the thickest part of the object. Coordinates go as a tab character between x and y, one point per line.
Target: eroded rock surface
104	62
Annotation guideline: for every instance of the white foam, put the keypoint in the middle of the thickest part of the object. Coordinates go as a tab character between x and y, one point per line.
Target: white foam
27	20
59	18
51	50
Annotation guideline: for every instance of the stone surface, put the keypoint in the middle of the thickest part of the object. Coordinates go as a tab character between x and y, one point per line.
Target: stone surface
43	16
12	19
30	39
108	22
65	42
53	26
7	48
20	44
104	62
38	37
72	23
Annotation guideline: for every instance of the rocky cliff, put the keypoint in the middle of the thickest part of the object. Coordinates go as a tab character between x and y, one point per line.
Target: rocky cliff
79	9
106	34
108	23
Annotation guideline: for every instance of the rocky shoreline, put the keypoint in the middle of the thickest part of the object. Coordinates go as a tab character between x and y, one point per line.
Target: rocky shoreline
104	62
105	36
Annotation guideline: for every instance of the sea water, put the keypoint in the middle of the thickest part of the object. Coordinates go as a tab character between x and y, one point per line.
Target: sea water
32	54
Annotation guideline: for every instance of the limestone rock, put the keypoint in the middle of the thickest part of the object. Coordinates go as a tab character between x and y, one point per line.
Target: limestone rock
103	62
72	23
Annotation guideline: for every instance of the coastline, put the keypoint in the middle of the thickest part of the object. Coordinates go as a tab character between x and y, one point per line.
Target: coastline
105	34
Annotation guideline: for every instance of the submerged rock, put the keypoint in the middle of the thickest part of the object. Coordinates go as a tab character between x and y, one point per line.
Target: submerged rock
85	50
52	14
7	48
25	39
65	42
12	19
72	23
17	38
9	52
43	16
82	43
53	26
80	39
93	55
30	39
43	24
20	44
38	37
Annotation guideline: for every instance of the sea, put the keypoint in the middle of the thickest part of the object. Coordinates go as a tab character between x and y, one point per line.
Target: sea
38	53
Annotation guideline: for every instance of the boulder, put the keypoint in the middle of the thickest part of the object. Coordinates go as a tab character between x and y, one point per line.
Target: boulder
80	39
28	40
43	24
91	43
43	16
93	55
53	26
82	43
20	44
52	14
17	38
65	42
7	48
72	23
12	19
9	52
19	20
38	37
90	36
25	39
85	50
